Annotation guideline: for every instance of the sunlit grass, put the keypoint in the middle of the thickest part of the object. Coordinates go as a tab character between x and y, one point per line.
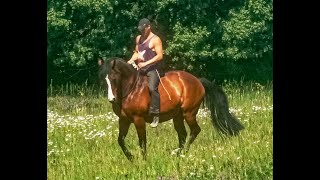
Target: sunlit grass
83	131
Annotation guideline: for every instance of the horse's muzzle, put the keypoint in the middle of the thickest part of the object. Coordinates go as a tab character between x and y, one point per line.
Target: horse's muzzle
111	99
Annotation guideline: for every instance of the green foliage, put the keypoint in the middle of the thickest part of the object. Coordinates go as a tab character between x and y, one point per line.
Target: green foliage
248	31
188	44
72	43
195	34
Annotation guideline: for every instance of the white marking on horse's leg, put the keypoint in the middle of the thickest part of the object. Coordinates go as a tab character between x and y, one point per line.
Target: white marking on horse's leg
111	97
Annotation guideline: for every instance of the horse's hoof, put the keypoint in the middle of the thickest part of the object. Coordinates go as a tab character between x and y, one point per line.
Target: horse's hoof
176	151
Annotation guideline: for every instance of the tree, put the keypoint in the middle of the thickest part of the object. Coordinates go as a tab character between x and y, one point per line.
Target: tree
197	35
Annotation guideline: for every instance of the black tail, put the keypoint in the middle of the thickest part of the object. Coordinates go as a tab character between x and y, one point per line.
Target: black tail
217	102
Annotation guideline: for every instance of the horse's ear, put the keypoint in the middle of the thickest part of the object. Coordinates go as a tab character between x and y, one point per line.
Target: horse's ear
114	64
100	61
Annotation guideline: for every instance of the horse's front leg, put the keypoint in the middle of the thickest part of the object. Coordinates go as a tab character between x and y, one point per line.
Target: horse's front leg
141	130
123	131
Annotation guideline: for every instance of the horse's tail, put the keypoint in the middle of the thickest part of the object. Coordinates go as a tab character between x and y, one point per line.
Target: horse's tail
216	101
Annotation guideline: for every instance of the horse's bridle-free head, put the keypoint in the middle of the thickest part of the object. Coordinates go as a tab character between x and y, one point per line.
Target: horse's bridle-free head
110	78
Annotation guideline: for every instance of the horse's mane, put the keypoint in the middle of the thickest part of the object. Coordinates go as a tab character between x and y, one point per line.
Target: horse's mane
105	68
115	58
114	62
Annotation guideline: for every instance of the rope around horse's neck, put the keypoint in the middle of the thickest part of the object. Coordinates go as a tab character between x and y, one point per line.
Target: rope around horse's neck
163	85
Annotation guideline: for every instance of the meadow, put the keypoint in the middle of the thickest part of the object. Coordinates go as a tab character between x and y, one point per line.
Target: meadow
82	133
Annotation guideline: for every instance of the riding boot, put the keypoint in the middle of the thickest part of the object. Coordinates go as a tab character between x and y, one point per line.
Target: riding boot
155	121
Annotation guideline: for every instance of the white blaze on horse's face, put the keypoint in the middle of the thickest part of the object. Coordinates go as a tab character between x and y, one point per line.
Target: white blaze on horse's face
111	97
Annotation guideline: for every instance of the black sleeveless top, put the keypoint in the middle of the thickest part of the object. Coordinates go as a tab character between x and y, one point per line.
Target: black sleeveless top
145	54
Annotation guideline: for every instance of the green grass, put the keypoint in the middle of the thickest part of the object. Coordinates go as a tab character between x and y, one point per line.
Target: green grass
83	130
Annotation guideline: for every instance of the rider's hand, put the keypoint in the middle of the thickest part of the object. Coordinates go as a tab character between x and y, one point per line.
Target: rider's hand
142	64
135	66
130	62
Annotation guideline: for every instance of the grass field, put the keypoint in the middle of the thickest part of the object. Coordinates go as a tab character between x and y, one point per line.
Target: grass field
82	143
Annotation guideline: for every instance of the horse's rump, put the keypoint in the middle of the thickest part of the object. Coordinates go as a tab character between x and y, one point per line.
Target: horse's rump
183	85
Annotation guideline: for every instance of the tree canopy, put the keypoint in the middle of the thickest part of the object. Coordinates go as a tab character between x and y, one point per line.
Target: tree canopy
218	39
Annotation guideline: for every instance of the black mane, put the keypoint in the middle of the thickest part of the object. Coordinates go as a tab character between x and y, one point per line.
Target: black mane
108	65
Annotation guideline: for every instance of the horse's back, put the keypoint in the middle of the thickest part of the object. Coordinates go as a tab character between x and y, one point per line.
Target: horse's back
185	79
185	85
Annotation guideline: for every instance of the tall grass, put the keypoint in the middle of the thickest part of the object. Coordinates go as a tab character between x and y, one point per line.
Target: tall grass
83	130
78	90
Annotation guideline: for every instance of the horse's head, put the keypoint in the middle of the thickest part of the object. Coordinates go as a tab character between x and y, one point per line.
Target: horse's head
113	73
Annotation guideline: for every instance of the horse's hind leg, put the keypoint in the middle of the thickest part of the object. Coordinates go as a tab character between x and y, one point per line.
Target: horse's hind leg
181	129
195	129
123	131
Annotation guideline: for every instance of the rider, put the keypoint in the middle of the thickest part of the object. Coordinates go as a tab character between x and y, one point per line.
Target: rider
148	52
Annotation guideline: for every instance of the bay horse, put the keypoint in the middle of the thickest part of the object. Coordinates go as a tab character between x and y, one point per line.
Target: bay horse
180	98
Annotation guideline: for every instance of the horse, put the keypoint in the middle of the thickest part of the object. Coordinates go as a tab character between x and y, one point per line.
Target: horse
181	95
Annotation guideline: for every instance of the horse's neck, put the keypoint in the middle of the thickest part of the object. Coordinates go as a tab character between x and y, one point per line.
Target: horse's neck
131	73
130	81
